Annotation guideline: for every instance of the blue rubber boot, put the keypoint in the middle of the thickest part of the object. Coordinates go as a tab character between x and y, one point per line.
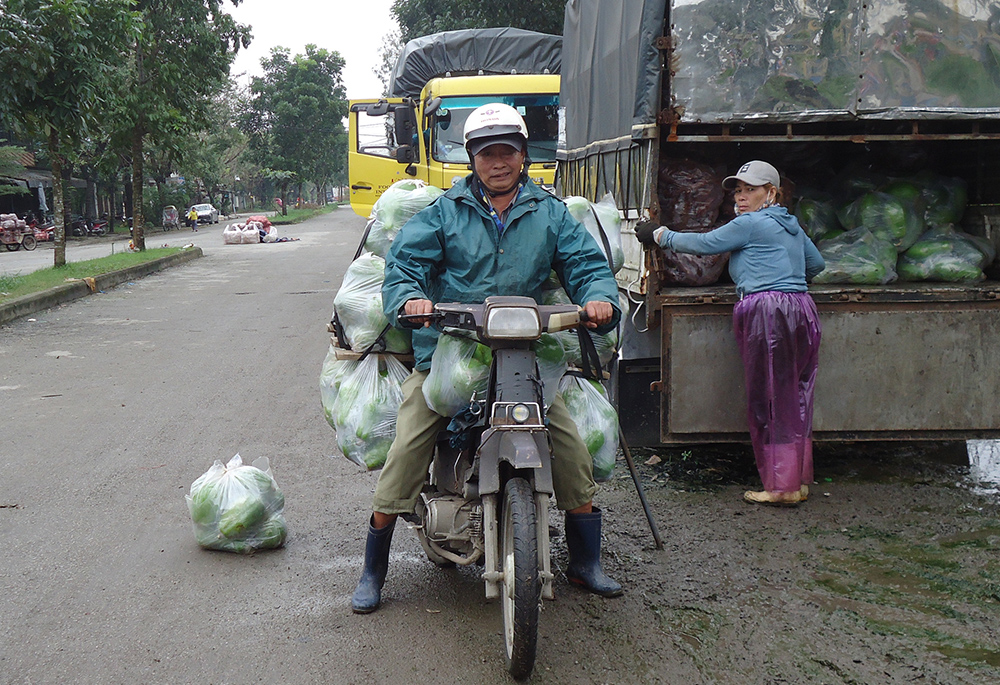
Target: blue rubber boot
368	593
583	538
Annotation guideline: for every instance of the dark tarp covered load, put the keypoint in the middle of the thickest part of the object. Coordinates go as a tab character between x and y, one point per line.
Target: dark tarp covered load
466	52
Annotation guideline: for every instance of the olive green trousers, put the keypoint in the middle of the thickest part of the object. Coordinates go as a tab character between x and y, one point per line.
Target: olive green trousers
417	428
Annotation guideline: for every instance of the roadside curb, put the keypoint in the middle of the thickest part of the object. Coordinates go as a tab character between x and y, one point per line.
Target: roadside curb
36	302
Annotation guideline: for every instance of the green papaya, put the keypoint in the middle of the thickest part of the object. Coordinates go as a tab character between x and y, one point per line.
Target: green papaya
242	517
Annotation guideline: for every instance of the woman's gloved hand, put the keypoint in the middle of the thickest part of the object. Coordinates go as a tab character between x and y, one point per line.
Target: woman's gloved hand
644	232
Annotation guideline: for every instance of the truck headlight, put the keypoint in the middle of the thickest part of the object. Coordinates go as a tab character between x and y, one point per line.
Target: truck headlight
518	323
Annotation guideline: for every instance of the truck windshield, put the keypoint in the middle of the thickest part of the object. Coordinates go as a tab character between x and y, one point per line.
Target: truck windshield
540	112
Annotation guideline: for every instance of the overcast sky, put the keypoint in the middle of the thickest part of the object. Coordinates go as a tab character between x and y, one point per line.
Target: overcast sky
354	28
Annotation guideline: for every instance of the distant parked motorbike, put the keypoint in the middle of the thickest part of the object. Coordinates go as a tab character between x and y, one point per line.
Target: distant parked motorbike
84	226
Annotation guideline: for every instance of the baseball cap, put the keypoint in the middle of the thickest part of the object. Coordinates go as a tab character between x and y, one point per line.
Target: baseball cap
755	173
477	145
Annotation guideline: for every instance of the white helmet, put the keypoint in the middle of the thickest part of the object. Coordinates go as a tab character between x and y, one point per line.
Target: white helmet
494	123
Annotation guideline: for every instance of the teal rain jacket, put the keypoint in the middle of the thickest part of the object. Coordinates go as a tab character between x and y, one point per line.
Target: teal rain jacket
451	251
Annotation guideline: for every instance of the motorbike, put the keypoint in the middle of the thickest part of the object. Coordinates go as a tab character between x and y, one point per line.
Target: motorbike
84	226
488	503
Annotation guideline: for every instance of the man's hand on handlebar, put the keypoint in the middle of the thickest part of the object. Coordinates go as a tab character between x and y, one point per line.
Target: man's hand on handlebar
418	307
597	313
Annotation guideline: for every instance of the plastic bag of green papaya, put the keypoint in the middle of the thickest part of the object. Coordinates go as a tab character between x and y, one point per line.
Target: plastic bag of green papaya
364	415
893	219
238	507
944	254
330	377
460	368
596	421
358	305
857	256
394	208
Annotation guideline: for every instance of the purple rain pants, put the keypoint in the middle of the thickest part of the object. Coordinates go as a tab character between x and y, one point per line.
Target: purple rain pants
778	336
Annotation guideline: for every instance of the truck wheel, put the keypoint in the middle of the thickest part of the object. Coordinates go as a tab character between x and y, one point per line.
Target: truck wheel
520	592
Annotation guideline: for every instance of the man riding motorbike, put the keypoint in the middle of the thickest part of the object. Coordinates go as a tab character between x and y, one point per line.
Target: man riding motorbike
493	233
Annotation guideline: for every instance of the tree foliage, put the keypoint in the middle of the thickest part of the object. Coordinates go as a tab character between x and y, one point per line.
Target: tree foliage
57	59
294	120
422	17
179	62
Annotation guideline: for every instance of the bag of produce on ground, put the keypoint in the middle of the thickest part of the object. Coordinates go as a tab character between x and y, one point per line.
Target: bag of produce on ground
251	233
232	234
817	216
238	507
460	368
394	208
603	222
365	412
857	256
330	378
886	216
358	306
596	421
944	254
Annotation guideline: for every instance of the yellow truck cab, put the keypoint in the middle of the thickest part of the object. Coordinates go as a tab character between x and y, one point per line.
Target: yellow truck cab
417	131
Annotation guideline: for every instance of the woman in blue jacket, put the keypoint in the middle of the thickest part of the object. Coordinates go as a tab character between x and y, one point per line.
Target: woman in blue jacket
776	325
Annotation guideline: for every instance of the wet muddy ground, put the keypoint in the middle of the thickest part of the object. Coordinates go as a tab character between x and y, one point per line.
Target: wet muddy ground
890	573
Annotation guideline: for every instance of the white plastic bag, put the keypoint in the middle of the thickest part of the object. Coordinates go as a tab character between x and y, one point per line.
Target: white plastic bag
238	508
251	233
365	411
330	378
232	234
460	368
358	306
603	221
270	235
394	207
596	421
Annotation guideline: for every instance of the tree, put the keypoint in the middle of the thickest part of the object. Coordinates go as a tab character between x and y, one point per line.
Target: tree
57	58
11	166
179	61
294	119
422	17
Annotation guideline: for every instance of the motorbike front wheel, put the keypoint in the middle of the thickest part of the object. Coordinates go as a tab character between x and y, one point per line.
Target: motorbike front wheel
28	242
520	594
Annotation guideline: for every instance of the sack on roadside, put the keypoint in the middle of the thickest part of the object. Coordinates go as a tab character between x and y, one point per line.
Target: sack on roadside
237	507
232	234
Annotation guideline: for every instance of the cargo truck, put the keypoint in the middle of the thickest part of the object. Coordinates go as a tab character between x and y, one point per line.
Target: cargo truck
664	98
416	132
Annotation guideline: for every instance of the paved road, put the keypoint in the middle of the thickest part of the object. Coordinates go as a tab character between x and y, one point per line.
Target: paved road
80	249
114	404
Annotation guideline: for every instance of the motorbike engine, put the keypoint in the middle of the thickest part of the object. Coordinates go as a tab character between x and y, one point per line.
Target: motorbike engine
451	522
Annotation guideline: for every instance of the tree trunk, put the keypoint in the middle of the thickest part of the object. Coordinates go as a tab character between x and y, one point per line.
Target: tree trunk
284	199
90	206
57	200
137	220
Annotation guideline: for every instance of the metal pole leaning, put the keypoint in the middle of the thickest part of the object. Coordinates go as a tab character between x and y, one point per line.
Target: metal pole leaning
638	488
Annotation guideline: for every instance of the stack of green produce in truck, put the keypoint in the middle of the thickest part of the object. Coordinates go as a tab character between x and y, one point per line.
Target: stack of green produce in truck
394	208
603	222
237	507
903	227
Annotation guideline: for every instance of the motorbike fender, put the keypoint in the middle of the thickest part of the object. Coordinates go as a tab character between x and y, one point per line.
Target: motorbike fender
522	449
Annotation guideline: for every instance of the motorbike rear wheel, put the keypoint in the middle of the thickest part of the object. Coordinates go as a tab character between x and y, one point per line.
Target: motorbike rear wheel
520	593
12	247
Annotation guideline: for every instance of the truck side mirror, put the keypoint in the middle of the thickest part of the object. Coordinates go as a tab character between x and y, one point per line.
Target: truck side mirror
405	154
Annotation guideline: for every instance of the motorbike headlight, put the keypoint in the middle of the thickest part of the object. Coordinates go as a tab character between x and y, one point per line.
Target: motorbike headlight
513	323
520	413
